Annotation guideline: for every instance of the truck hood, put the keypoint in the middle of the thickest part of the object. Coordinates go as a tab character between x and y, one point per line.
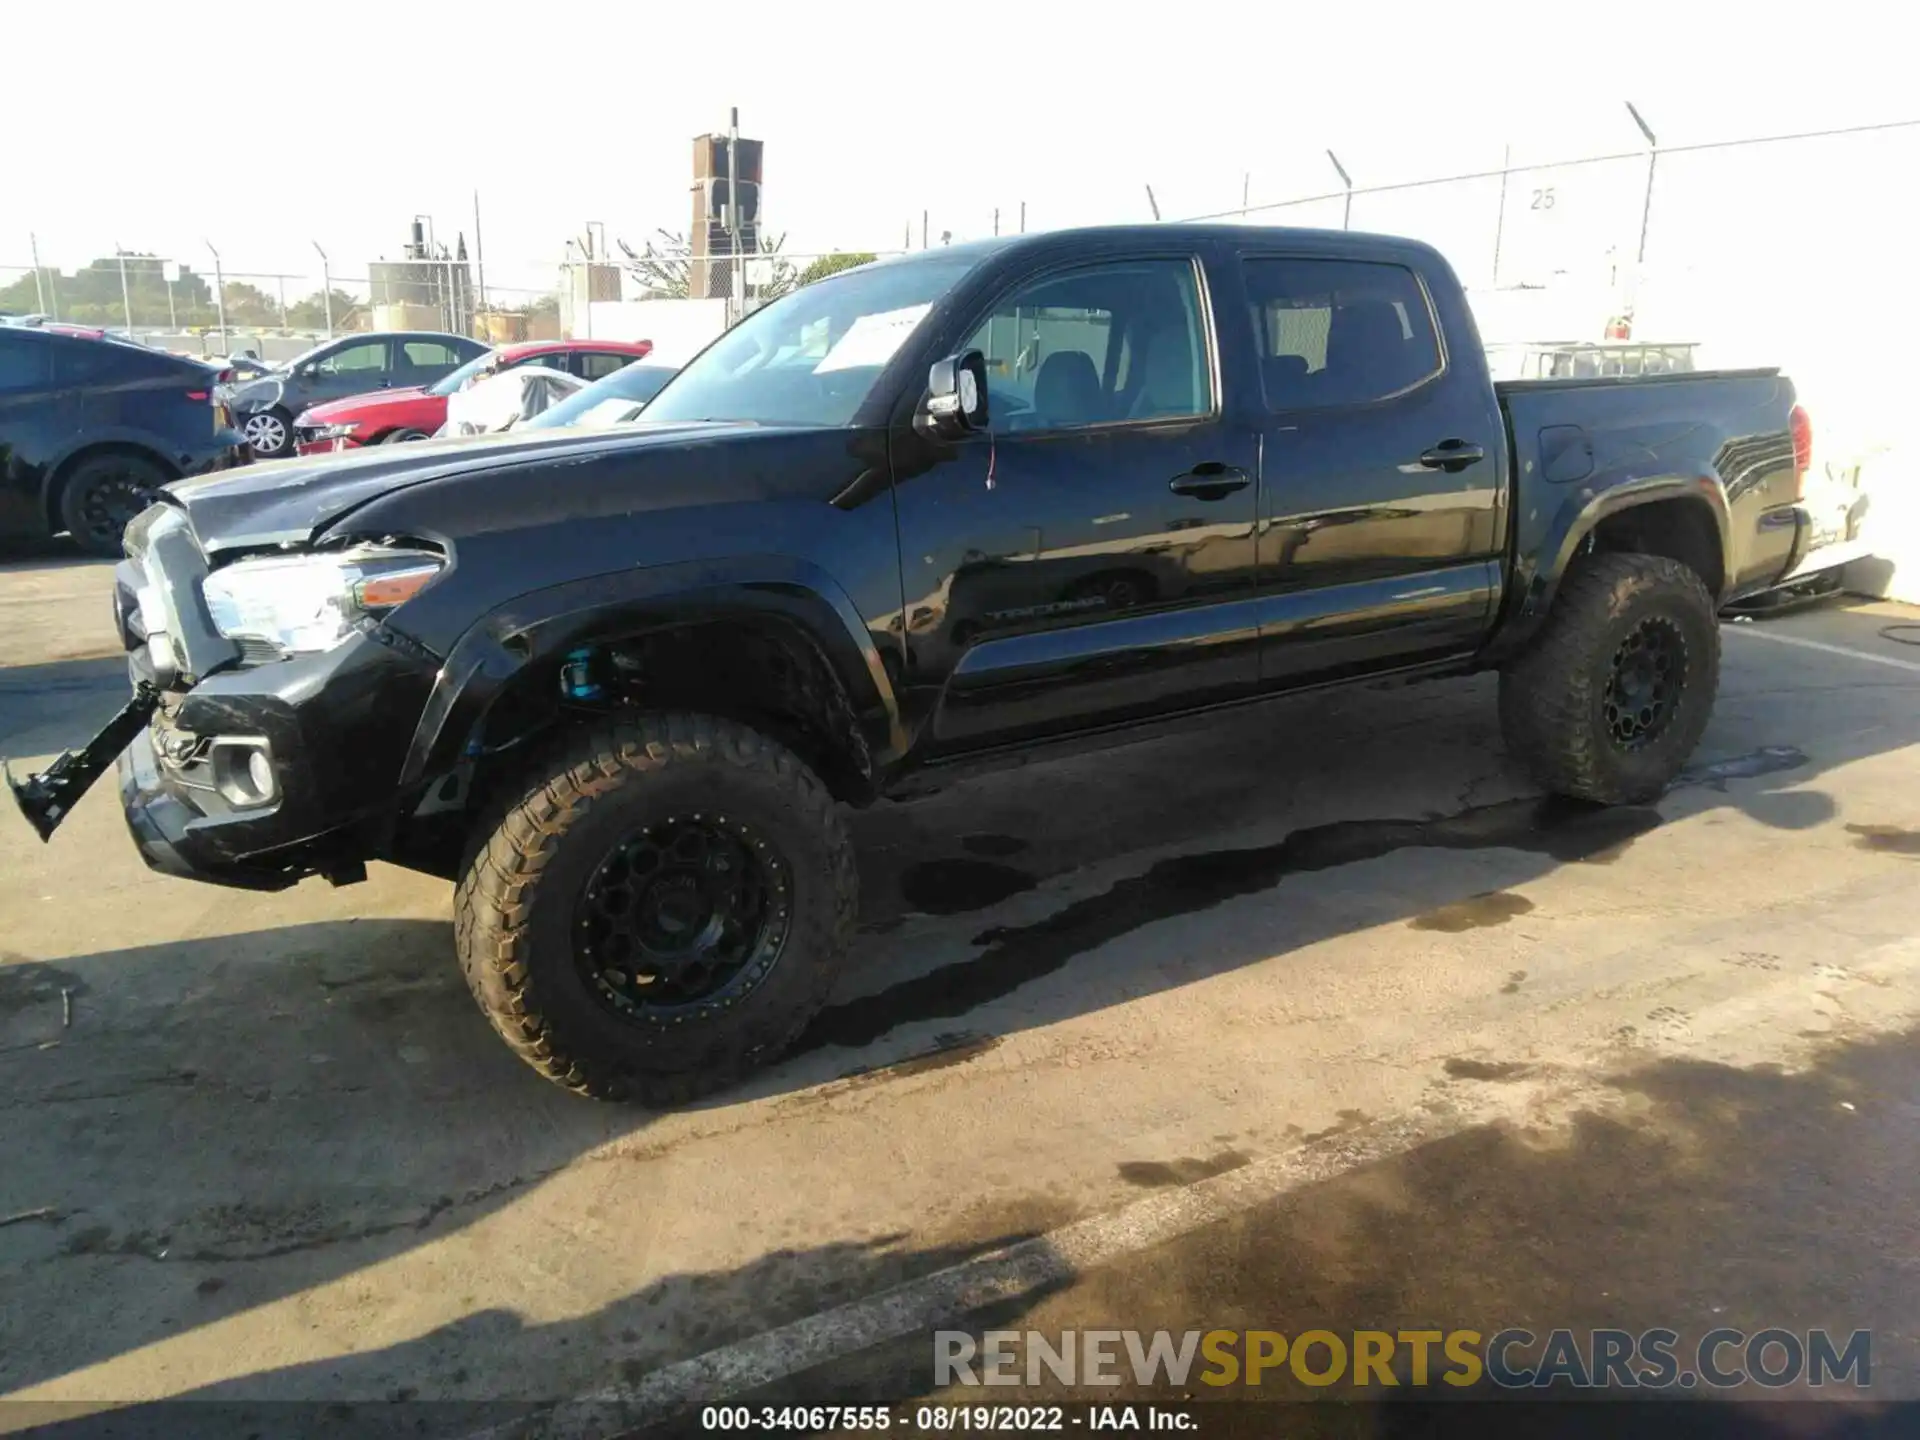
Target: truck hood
371	406
290	502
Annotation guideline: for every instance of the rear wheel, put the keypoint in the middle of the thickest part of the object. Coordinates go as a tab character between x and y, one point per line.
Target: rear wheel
658	908
101	496
1615	691
269	433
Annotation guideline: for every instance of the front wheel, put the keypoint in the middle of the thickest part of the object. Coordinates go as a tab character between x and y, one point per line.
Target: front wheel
402	437
657	908
1614	693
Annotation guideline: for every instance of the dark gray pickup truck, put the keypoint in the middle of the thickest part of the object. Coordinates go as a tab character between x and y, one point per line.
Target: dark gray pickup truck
953	510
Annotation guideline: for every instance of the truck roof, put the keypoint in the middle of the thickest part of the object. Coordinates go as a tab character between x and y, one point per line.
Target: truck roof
1102	237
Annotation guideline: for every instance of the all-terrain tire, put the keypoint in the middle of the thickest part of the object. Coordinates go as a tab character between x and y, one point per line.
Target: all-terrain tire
1553	697
514	909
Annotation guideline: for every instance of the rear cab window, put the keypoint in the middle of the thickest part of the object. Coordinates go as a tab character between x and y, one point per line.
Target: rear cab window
1338	332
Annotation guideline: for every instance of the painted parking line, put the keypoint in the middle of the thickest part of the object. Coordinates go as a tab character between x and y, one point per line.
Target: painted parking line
1867	655
998	1276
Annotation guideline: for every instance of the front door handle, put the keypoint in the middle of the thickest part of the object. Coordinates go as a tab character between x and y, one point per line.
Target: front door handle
1210	480
1452	455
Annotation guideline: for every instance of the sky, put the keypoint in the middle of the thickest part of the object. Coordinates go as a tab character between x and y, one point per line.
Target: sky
268	128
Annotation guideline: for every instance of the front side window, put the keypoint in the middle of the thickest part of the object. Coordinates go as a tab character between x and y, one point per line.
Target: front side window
356	359
1338	332
1112	343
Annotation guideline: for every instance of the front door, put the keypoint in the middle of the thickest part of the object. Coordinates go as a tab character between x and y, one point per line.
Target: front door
1381	500
1092	559
352	369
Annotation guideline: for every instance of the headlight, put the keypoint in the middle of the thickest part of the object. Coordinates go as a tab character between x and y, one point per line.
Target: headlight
332	432
303	604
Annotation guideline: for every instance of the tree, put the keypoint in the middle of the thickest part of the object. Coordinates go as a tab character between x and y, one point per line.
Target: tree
833	264
311	313
665	267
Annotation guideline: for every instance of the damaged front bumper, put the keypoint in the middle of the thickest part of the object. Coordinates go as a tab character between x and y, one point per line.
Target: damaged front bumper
48	797
238	770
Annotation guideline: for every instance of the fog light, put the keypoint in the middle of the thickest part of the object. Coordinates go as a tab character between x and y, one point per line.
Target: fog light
243	771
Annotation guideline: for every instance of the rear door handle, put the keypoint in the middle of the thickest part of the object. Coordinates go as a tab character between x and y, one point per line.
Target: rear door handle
1210	480
1451	455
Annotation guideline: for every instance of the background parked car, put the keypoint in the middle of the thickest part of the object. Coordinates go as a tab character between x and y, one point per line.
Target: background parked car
613	401
416	413
501	402
91	428
264	409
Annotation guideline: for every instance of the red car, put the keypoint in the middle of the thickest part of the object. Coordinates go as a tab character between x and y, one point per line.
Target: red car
415	413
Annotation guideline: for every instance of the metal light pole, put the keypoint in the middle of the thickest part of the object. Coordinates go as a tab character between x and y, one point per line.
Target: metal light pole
1023	217
1653	159
126	305
738	288
1500	220
1153	204
219	295
479	254
282	281
1346	215
168	270
33	244
326	285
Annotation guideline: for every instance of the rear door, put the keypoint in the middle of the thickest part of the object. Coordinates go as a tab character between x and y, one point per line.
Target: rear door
1092	560
1381	459
422	360
38	424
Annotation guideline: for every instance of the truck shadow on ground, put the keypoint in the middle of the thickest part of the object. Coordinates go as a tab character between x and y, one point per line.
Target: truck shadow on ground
326	1096
1682	1194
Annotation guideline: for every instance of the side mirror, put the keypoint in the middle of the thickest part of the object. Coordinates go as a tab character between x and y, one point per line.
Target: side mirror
957	395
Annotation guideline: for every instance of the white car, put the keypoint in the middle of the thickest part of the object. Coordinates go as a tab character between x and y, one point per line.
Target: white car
503	400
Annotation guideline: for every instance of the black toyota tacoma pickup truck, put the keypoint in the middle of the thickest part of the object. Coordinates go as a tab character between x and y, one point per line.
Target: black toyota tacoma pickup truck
944	511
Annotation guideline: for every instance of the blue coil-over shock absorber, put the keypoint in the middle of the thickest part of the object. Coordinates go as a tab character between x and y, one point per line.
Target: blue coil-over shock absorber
576	676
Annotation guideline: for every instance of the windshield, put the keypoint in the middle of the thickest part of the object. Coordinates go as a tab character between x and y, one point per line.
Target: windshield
609	400
812	357
448	384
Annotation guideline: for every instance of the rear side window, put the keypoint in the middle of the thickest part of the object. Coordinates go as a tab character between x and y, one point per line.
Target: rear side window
1338	332
24	364
101	362
430	355
598	364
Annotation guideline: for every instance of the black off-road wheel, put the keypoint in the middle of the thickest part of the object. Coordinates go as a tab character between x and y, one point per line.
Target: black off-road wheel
103	494
657	908
1615	691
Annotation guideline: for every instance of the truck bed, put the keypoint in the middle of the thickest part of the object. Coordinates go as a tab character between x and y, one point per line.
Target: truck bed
1503	388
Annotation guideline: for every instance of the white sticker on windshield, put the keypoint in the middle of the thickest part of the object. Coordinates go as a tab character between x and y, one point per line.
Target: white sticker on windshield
872	339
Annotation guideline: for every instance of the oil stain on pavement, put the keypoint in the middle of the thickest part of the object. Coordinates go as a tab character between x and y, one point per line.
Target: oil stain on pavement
1567	831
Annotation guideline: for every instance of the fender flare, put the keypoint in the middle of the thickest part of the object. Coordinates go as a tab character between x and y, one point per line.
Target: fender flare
1536	579
541	626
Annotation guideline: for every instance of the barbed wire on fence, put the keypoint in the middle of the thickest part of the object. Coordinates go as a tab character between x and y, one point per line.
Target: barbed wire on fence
148	292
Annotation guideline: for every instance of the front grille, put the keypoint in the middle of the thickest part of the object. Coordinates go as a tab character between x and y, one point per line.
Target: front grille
255	651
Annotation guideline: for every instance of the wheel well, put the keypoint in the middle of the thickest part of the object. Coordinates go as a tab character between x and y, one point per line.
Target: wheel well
764	672
57	481
1681	530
